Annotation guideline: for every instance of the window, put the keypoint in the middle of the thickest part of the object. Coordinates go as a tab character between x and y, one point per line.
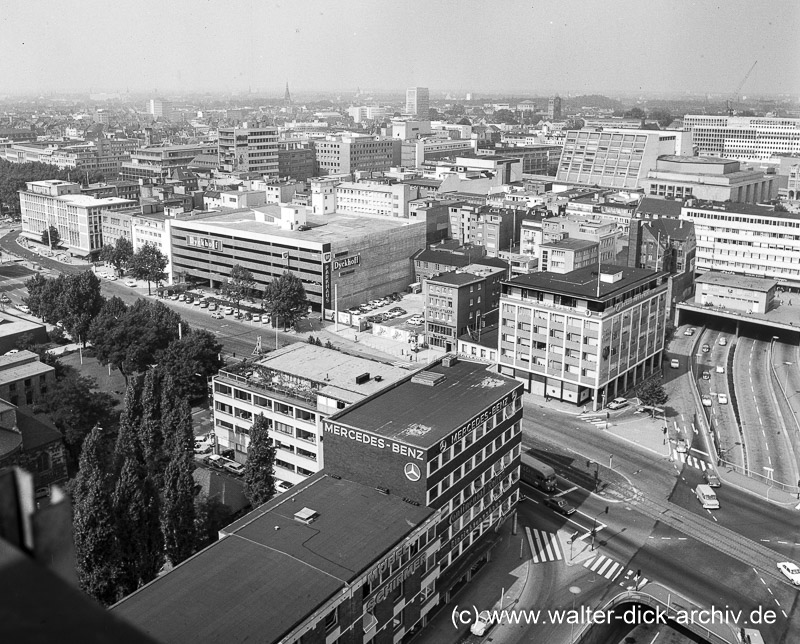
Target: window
222	389
226	409
302	434
262	402
332	619
242	395
243	413
280	408
303	414
283	428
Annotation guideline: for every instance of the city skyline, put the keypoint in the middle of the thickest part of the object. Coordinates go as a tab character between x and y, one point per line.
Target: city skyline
584	47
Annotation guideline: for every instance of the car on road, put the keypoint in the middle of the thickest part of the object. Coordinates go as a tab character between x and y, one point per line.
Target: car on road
680	446
689	331
722	399
706	375
719	369
790	571
675	363
706	401
617	403
24	308
217	315
234	468
130	282
711	479
706	348
11	353
4	299
202	304
559	505
723	341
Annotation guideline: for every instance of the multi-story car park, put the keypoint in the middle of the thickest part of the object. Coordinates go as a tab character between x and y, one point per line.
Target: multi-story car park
295	388
744	239
417	479
586	335
341	259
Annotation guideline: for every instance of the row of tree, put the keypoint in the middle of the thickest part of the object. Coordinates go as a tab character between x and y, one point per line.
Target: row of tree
147	263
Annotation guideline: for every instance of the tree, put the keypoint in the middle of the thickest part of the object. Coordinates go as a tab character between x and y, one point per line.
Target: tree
177	495
464	121
635	113
148	263
80	303
652	394
136	507
191	361
434	115
238	286
44	297
51	237
259	470
663	116
210	515
119	255
504	116
74	406
285	298
93	521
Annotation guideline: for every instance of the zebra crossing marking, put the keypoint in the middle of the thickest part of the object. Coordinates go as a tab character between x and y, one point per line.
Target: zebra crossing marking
693	461
612	570
544	546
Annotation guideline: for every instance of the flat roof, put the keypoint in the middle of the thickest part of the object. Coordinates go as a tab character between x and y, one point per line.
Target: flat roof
397	413
11	324
89	201
570	243
738	208
270	571
583	281
336	370
331	228
760	284
685	158
456	278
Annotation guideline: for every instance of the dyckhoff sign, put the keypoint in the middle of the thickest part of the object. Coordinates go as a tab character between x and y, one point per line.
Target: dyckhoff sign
347	262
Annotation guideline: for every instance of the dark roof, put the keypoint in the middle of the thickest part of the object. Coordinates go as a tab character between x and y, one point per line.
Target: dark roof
467	389
443	257
570	243
660	207
491	261
673	228
36	431
456	278
10	441
270	571
583	282
486	338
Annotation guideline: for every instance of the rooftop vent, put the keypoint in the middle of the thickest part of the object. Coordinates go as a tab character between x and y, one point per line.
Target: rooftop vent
449	360
364	377
306	515
427	378
378	378
611	278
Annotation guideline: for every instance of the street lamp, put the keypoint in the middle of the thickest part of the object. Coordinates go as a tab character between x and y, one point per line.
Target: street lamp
786	377
596	472
594	527
575	592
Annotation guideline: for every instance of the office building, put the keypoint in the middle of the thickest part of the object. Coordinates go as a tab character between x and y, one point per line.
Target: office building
415	153
586	228
495	229
418	102
356	258
708	179
536	159
616	158
417	479
249	149
295	388
567	255
584	336
460	300
157	163
746	138
380	198
296	160
736	293
160	109
76	216
337	155
748	240
554	108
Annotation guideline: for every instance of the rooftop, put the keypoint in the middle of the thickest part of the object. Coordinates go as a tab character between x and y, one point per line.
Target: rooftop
660	207
682	158
735	207
584	281
270	570
570	243
737	281
466	389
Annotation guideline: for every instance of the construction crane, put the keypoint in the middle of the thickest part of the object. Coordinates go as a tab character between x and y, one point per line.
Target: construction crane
739	88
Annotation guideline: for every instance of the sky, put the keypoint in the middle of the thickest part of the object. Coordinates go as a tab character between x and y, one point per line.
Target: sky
536	47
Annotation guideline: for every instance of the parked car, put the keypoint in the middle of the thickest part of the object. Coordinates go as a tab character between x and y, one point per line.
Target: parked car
675	363
111	277
256	317
711	479
706	348
203	304
11	353
174	296
791	571
4	299
182	297
617	403
689	331
24	308
212	306
228	310
723	341
680	446
722	399
706	375
202	447
234	468
130	282
706	401
559	505
214	460
217	315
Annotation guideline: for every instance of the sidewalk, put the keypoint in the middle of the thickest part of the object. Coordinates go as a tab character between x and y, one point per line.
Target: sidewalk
506	573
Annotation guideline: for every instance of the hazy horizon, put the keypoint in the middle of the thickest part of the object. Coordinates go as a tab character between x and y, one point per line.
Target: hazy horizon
621	46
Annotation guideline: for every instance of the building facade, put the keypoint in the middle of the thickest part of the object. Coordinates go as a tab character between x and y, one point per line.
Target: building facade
749	294
296	160
583	336
554	108
249	150
418	102
348	153
746	138
378	198
567	255
158	163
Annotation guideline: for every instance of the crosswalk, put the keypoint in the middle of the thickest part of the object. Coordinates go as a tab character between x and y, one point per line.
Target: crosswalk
598	420
693	461
545	546
614	571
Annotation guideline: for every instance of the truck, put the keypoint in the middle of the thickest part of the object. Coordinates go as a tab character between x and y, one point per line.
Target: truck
538	474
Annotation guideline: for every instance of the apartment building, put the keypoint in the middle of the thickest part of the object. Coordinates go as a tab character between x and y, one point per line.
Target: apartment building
415	153
378	198
460	300
296	160
295	388
583	336
249	149
567	255
417	480
159	108
347	153
746	138
418	102
708	179
157	163
495	229
76	216
587	228
616	158
748	240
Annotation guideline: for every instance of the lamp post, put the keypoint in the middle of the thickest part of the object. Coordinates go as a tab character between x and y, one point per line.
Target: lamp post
786	376
594	527
596	472
575	592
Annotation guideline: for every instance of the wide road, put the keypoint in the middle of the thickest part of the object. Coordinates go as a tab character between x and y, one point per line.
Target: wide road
786	381
768	449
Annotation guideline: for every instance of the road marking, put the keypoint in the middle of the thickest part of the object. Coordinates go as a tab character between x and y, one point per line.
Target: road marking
765	540
769	590
542	551
666	538
785	543
572	489
784	614
682	538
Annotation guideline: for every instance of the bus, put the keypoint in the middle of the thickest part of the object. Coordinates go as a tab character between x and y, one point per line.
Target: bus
537	474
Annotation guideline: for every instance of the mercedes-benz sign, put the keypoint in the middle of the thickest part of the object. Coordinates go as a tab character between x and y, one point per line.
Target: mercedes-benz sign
412	472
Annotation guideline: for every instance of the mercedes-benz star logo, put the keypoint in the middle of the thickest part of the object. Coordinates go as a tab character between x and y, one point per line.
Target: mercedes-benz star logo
412	472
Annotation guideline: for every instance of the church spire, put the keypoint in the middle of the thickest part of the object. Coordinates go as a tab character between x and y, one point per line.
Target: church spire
287	98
